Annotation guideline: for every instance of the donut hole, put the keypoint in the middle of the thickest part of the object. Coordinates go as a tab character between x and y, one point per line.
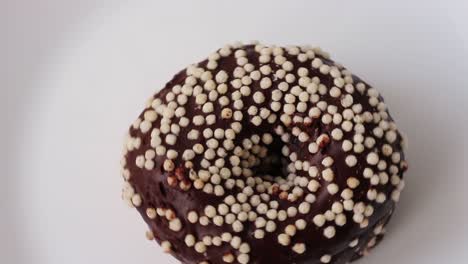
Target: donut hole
274	164
270	161
262	158
162	189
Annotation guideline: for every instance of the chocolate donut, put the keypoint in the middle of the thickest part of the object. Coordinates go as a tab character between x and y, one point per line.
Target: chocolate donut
264	154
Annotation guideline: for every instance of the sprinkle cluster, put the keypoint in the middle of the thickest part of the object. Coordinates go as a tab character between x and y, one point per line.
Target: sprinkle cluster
267	147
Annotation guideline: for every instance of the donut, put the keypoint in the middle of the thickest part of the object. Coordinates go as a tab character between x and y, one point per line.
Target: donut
265	154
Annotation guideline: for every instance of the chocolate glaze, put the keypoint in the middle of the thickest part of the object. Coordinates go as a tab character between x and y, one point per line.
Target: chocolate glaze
155	191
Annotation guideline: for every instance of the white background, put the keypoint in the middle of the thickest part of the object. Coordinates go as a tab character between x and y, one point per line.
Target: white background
76	73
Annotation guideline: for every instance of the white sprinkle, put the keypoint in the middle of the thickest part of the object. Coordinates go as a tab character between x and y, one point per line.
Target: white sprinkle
270	226
327	161
145	126
332	188
258	97
265	83
228	258
325	259
190	240
313	147
166	246
372	158
168	165
328	175
175	225
287	66
259	234
299	248
351	160
329	232
390	136
221	77
319	220
284	239
304	208
237	226
337	134
335	92
236	242
243	258
200	247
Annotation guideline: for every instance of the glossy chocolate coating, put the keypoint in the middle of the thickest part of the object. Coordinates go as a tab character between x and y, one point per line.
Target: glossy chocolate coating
155	191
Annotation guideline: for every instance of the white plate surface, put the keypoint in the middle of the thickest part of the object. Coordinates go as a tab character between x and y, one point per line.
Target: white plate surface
78	73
